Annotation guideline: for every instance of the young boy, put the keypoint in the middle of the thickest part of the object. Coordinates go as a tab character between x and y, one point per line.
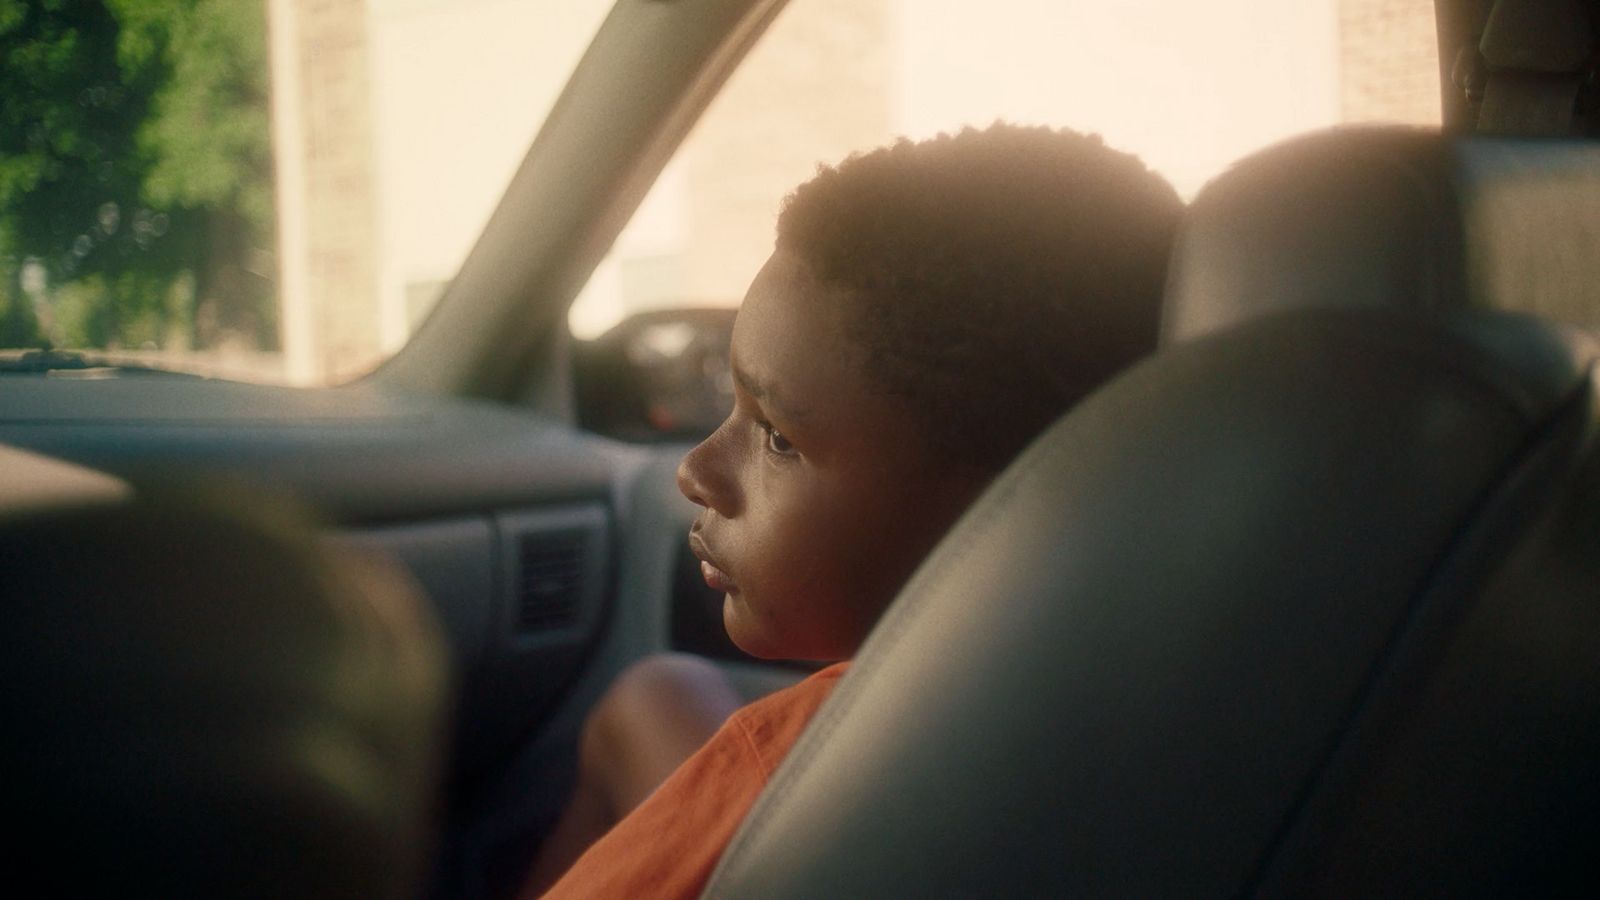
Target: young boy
928	309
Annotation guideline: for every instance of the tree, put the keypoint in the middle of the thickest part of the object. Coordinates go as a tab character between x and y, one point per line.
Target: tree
135	173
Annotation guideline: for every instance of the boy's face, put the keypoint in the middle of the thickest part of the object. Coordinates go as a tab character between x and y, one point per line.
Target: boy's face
819	494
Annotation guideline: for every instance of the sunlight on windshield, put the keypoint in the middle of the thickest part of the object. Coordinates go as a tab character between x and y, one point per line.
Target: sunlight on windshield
280	190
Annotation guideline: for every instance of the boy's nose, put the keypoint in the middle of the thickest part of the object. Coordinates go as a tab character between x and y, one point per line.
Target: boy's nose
700	478
687	483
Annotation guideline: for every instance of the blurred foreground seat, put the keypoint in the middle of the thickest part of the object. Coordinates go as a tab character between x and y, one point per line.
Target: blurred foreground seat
200	700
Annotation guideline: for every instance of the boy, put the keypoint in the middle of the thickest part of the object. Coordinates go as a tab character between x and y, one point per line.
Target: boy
928	309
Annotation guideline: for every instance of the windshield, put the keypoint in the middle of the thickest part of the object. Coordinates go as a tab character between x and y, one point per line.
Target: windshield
269	190
280	190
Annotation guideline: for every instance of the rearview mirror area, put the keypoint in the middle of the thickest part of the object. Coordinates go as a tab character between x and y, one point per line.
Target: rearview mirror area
657	376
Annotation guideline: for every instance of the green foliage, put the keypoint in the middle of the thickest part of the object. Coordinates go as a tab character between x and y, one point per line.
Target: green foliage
135	172
208	140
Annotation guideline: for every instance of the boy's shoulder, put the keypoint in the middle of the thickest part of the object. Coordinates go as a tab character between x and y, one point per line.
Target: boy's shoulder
772	724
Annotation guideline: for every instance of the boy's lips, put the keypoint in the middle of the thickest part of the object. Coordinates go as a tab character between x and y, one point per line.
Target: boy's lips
715	577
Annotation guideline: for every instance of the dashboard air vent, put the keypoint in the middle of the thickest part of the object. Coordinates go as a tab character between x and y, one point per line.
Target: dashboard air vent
550	581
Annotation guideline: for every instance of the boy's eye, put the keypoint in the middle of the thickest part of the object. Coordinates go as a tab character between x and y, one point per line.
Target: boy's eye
776	442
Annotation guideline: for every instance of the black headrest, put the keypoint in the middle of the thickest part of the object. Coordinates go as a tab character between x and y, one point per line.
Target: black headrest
1394	218
1551	37
1533	70
202	700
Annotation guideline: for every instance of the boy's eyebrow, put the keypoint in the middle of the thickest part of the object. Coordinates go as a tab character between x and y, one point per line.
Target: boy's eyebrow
764	394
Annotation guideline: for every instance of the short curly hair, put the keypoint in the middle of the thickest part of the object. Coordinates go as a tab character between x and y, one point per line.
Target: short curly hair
994	277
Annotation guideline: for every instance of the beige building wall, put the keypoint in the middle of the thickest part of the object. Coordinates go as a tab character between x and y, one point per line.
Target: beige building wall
323	139
1388	61
756	143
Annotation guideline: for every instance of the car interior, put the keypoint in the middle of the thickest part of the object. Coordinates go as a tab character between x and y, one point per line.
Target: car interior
1307	603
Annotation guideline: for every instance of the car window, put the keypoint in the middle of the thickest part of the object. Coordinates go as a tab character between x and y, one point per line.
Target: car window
279	191
269	190
1188	86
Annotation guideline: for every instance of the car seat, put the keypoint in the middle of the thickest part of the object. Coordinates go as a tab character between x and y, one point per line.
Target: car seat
1307	603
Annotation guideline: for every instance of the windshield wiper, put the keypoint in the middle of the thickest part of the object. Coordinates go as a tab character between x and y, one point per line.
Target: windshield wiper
33	362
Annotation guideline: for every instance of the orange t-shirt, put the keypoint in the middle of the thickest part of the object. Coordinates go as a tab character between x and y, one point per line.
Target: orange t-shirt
668	846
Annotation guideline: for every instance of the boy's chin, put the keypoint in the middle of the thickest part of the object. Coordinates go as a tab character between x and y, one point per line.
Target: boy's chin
736	621
748	636
763	645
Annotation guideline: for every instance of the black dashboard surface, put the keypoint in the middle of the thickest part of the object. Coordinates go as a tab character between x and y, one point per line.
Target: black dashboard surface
357	455
507	521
